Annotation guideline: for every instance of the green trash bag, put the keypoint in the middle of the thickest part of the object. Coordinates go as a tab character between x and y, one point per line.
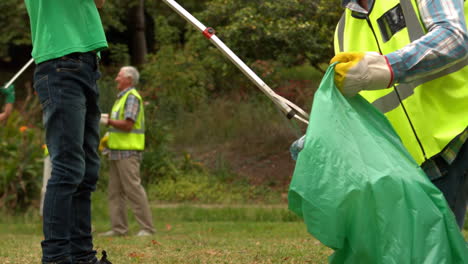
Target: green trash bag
361	193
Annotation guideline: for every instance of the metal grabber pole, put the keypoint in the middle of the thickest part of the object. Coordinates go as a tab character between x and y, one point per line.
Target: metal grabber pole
291	110
19	73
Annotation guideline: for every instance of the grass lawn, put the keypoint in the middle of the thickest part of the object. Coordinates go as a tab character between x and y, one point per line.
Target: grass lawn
185	235
189	242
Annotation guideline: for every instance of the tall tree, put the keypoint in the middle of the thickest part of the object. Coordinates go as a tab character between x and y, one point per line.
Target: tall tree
137	18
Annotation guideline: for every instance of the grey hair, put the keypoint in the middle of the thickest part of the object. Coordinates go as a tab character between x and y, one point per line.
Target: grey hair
132	72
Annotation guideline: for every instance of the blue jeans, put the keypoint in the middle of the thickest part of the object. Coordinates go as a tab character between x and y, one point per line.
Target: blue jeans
454	185
68	94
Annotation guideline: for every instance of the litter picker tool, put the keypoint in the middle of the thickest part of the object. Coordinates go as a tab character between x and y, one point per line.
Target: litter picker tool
18	73
288	108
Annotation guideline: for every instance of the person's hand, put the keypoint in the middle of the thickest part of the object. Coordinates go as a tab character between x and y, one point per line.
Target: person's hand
9	92
296	147
358	71
104	119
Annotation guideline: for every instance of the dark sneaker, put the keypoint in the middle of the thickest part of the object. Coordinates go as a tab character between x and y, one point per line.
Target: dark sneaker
103	260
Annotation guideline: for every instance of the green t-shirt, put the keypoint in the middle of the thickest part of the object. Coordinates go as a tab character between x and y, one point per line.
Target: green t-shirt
61	27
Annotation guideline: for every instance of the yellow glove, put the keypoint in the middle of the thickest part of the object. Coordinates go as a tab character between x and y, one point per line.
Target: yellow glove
103	142
358	71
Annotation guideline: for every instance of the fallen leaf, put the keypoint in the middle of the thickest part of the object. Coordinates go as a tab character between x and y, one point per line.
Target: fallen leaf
154	242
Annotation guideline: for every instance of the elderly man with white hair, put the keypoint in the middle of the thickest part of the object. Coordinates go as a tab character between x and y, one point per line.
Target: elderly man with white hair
126	142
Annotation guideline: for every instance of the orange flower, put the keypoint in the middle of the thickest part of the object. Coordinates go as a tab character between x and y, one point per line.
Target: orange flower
23	128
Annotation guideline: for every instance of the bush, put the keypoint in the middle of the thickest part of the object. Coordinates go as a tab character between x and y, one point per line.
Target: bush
158	160
207	188
21	164
178	80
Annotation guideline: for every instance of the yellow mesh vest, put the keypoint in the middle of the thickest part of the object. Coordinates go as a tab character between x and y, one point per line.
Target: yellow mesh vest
133	140
437	105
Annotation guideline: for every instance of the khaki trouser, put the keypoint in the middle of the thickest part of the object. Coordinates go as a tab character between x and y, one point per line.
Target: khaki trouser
125	183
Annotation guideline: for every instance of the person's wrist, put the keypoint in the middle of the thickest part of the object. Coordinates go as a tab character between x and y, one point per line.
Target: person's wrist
390	70
399	68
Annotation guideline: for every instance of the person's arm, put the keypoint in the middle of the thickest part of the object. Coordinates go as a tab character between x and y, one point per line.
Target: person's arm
5	114
445	43
125	125
132	108
99	3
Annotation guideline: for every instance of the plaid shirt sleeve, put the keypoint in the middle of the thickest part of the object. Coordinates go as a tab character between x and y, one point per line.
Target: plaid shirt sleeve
132	108
445	43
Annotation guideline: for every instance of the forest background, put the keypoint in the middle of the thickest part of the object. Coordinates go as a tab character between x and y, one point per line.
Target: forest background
212	136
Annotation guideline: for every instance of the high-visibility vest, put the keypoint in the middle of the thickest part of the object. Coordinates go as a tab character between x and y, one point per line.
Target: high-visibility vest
122	140
437	105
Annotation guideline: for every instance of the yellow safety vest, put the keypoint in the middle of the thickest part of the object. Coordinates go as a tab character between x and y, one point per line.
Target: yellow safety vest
437	105
133	140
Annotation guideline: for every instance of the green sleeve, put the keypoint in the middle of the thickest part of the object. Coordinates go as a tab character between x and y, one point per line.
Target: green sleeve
9	93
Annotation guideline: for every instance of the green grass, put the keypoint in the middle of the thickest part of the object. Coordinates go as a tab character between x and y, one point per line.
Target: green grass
206	188
190	242
185	234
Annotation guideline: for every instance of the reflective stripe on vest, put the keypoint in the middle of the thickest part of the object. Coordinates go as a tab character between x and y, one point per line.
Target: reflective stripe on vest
436	104
122	140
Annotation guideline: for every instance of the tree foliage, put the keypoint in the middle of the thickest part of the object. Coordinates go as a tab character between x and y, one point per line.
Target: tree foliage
290	31
264	34
14	27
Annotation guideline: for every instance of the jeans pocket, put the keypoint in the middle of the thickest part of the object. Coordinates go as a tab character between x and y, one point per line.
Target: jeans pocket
41	87
68	64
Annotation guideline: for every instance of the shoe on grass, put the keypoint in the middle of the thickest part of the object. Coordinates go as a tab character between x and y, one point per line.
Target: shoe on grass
104	259
110	233
144	233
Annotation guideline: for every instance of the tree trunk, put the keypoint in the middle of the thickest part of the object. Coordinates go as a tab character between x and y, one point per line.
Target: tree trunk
140	50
